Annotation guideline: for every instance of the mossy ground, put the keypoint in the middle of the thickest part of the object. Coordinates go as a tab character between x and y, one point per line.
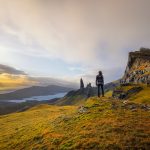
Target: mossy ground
102	126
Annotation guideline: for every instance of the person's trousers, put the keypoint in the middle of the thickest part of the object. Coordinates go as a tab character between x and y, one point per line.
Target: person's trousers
101	86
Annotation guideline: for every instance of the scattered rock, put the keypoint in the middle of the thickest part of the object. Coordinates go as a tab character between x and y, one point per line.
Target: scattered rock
145	107
132	106
134	110
82	109
119	94
125	102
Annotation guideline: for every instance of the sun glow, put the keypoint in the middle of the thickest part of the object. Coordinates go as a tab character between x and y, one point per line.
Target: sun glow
10	82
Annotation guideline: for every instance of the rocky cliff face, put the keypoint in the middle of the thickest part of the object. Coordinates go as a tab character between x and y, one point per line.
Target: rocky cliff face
138	67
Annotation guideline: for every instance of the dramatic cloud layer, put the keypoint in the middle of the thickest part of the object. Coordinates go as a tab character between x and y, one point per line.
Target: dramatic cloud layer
12	82
86	35
12	79
10	70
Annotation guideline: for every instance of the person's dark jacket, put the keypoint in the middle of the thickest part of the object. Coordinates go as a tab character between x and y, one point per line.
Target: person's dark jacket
99	80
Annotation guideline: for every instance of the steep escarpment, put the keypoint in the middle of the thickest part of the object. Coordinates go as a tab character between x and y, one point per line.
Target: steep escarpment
138	67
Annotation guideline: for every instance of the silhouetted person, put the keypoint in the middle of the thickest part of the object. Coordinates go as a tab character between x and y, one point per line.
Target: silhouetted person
100	83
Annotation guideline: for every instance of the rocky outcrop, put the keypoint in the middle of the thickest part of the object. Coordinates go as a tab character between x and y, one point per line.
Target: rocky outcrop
138	67
137	72
124	94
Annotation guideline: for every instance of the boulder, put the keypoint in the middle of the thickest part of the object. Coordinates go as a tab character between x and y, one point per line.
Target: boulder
82	109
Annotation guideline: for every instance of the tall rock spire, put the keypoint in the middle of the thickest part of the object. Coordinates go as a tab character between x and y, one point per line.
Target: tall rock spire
81	84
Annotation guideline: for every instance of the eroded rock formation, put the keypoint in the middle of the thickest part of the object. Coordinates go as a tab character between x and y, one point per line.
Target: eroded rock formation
138	67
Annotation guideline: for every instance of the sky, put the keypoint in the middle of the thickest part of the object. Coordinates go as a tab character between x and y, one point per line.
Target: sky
64	40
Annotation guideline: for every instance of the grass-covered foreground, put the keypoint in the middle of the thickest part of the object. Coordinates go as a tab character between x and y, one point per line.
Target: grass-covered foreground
101	124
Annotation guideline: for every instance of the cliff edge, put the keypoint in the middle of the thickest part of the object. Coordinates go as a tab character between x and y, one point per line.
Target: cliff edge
138	67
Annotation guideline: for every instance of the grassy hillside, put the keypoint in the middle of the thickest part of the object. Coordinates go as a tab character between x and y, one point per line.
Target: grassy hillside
103	123
9	107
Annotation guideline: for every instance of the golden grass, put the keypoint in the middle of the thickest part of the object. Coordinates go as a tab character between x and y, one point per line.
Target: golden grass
61	127
24	129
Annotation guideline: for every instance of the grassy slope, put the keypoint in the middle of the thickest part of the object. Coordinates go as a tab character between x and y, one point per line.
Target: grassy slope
143	96
62	127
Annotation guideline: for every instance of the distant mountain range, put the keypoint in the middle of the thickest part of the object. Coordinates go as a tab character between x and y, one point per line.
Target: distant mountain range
34	91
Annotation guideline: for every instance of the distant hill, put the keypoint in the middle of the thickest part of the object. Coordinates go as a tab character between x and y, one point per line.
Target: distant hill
12	107
34	91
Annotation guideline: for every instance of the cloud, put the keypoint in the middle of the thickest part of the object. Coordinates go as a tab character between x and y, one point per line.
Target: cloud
44	81
10	82
10	70
97	34
12	79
